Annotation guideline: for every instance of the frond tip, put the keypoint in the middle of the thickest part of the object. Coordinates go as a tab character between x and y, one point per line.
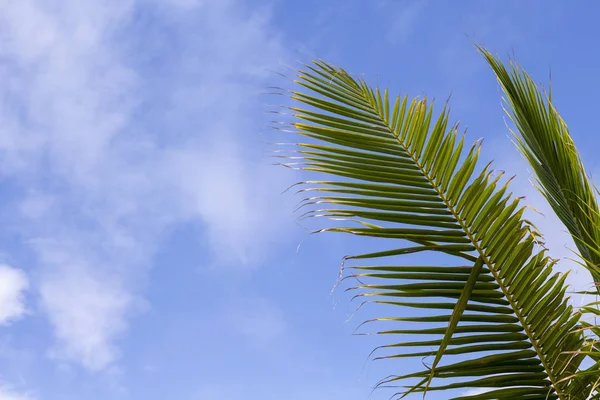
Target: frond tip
542	136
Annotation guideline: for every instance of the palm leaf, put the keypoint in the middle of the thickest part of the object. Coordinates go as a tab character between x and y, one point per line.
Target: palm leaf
543	138
499	317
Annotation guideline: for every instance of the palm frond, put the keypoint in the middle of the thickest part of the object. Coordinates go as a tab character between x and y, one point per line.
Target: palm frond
543	138
499	317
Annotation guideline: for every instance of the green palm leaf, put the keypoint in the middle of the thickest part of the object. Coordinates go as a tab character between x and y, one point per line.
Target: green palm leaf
500	319
544	140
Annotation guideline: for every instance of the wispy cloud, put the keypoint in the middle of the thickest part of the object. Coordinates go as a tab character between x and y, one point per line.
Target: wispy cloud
13	284
8	392
406	18
107	153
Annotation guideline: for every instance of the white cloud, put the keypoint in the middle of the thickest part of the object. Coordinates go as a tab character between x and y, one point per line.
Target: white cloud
85	331
230	203
13	284
113	149
10	395
8	392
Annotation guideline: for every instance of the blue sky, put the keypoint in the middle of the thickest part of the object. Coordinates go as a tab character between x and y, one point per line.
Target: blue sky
146	250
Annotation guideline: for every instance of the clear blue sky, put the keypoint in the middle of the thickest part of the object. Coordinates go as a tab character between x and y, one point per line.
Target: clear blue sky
145	249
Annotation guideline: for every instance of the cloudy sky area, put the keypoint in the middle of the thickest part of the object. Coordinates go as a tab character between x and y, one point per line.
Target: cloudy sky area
146	251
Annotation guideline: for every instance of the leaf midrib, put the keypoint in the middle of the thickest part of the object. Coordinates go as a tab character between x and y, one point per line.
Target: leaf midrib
475	243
